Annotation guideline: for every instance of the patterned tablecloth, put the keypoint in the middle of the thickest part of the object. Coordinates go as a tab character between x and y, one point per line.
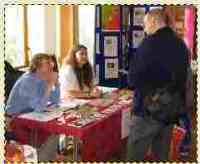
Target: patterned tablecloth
100	138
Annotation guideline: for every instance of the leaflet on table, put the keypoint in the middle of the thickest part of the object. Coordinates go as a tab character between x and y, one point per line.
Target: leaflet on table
101	102
107	89
81	122
87	119
41	116
72	103
111	109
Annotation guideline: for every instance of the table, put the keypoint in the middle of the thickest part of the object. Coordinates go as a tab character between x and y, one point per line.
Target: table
96	141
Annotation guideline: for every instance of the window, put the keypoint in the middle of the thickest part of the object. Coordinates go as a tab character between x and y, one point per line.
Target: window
29	30
14	35
86	28
35	29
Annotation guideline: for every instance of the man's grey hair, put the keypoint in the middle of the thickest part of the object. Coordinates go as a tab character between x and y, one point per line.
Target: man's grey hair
158	15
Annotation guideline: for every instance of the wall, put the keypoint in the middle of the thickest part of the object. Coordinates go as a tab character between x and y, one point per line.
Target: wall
64	30
50	29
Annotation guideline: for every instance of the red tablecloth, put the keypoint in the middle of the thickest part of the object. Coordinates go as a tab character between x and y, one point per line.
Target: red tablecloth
100	139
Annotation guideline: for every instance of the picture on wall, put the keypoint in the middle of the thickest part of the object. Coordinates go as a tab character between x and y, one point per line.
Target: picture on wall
138	36
111	17
155	7
97	75
110	46
111	68
97	43
138	16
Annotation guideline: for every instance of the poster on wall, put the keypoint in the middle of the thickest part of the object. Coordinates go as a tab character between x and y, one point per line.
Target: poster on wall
96	81
111	17
110	46
97	43
138	16
138	36
111	68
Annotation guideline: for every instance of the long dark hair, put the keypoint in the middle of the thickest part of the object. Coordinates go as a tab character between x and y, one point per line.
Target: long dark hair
55	68
84	74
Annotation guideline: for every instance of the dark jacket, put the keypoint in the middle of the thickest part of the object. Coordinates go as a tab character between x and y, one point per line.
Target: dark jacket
11	76
161	58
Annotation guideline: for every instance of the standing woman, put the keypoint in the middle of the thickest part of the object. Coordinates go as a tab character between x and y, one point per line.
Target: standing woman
76	75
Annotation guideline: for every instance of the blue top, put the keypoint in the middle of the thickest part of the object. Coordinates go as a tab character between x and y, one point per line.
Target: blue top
159	56
28	94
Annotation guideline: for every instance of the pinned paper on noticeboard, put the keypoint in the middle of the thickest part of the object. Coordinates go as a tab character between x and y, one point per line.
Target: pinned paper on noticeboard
111	68
111	17
138	16
155	7
97	74
97	43
110	46
138	36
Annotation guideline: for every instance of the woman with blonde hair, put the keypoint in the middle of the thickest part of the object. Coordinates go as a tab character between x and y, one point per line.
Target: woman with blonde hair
33	92
76	75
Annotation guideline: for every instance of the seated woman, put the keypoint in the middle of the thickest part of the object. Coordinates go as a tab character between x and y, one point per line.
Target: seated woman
76	76
35	88
32	92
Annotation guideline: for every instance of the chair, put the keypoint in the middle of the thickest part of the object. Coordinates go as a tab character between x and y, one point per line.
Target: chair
11	76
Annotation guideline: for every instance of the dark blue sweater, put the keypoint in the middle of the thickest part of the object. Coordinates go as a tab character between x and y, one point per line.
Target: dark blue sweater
158	57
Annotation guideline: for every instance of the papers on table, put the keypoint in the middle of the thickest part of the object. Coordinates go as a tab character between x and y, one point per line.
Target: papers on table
72	103
54	111
107	89
81	122
41	116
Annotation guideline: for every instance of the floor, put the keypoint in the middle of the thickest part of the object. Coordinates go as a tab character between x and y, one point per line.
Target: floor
193	153
192	157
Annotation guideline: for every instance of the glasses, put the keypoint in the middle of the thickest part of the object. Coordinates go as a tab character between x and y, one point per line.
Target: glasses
45	62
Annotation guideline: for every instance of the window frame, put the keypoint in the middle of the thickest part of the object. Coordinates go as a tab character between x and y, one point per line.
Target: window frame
25	47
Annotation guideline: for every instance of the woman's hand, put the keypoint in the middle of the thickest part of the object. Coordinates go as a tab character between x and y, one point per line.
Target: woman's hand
52	79
95	93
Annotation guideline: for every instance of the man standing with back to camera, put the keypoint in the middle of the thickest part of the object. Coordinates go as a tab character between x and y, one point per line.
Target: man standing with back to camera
157	74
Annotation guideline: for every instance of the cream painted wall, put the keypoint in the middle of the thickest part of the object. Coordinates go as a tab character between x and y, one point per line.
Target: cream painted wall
50	29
